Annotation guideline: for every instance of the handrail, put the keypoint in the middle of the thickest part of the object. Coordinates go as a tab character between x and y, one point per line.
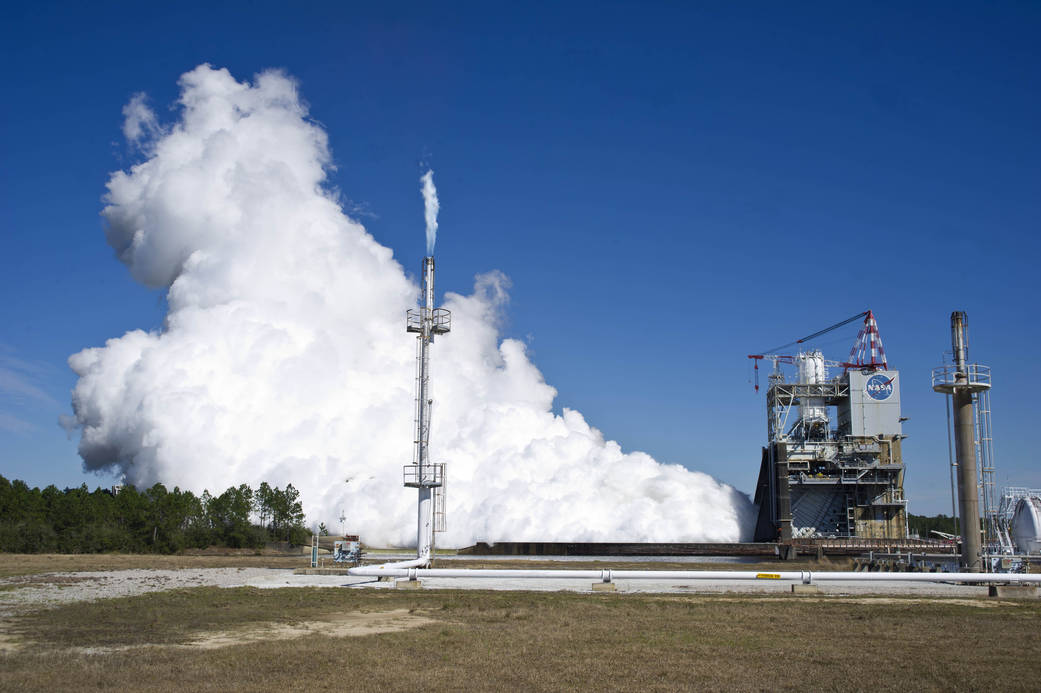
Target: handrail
972	375
440	319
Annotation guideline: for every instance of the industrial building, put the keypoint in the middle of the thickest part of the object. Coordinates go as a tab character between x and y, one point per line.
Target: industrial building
833	465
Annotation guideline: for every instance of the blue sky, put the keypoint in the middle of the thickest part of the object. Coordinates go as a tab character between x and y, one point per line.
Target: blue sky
669	186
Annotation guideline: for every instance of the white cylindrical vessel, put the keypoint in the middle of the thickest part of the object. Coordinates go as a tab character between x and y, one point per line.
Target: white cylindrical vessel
1026	525
812	371
428	285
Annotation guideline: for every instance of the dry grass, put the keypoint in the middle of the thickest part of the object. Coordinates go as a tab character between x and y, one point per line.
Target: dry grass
528	641
12	564
211	639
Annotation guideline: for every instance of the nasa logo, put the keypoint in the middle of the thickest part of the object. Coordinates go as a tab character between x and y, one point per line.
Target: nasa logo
879	387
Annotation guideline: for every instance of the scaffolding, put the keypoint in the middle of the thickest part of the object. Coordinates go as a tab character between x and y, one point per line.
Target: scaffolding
996	538
1010	497
829	482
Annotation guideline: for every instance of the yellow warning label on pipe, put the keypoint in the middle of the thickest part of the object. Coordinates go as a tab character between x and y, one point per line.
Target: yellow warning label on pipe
767	576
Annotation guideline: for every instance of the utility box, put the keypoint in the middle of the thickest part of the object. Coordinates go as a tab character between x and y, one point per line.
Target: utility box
347	550
873	406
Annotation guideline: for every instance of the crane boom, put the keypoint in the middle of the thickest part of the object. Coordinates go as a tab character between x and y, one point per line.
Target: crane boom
867	342
818	333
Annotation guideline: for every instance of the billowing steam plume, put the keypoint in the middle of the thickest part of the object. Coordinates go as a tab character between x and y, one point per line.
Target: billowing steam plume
430	208
283	356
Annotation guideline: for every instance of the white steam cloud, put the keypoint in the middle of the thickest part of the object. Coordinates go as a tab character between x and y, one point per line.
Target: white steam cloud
431	206
284	358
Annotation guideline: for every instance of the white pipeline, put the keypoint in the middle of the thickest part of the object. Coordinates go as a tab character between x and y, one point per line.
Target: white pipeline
393	569
400	570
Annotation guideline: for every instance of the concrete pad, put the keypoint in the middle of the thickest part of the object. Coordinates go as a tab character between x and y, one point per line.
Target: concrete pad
408	584
799	588
1015	591
604	587
321	571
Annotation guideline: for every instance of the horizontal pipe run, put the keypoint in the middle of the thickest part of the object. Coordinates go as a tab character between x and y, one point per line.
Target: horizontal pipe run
804	576
388	569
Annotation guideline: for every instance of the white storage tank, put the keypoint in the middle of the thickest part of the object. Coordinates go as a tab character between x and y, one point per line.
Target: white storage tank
812	371
1026	525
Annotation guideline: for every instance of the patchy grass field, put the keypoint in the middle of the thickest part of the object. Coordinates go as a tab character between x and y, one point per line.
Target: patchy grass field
213	639
210	639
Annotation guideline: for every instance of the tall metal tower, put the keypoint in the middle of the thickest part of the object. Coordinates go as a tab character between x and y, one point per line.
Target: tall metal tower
968	384
429	477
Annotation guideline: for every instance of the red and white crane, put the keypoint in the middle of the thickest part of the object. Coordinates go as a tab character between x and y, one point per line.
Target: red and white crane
868	345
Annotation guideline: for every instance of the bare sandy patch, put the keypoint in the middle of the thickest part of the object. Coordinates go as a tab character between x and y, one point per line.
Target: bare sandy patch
340	626
346	625
23	593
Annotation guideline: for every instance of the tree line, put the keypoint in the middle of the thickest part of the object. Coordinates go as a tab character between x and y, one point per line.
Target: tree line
153	520
924	524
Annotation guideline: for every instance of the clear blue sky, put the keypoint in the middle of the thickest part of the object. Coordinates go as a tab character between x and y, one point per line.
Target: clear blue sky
670	186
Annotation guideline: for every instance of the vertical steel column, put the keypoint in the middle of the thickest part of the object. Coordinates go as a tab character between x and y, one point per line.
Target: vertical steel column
965	447
425	514
784	493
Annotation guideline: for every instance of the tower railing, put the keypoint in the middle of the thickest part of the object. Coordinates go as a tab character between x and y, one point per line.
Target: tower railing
424	476
996	536
440	320
971	376
440	513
